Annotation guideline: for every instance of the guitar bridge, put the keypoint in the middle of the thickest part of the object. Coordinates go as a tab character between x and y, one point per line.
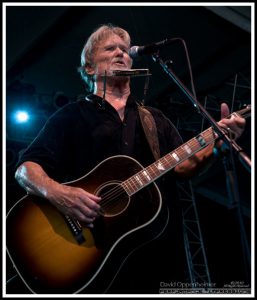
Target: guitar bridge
76	229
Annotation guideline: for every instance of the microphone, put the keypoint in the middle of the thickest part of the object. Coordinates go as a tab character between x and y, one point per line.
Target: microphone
136	51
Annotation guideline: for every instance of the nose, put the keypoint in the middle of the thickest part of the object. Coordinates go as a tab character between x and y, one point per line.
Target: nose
119	51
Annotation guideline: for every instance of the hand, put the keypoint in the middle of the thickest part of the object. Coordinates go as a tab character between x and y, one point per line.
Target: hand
234	126
76	203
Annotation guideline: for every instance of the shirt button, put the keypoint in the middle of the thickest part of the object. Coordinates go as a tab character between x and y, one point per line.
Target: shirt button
126	143
124	124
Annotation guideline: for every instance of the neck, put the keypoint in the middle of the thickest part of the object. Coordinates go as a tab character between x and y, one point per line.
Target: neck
117	90
116	93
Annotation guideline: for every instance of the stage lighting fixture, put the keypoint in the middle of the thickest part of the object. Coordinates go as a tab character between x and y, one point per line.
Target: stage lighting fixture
21	116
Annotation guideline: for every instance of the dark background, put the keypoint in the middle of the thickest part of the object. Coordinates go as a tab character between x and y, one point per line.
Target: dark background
43	46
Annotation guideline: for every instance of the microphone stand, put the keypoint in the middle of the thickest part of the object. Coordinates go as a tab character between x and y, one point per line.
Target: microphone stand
244	159
227	161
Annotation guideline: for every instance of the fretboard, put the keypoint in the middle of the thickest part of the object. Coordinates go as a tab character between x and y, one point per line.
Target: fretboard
167	162
149	174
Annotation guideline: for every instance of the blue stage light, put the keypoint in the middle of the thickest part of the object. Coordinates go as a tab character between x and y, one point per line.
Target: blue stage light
21	116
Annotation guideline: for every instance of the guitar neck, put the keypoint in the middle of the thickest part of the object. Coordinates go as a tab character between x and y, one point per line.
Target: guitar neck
149	174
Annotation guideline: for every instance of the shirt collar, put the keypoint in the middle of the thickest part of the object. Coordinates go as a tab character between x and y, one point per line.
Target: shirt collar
132	101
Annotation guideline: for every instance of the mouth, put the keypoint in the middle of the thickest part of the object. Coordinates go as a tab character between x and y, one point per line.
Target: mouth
120	63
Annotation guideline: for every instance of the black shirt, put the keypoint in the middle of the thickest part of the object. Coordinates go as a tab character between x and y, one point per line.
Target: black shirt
82	134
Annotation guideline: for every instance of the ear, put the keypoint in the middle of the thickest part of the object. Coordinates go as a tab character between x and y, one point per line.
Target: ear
90	70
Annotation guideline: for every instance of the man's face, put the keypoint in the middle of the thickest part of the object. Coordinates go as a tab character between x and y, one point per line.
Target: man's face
111	54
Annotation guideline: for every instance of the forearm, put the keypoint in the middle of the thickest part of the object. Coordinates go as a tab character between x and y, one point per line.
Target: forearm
34	180
200	161
72	201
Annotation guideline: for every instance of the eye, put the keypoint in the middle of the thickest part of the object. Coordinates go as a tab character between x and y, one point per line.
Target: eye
126	50
114	47
109	48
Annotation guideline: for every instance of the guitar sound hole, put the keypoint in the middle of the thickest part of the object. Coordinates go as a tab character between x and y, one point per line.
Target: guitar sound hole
115	200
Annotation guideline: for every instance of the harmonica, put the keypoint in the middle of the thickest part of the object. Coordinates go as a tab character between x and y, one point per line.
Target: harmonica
130	72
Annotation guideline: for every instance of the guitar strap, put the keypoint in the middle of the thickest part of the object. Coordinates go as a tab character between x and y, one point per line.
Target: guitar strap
150	130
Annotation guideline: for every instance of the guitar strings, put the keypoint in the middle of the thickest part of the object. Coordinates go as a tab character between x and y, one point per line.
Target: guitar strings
118	190
122	202
110	199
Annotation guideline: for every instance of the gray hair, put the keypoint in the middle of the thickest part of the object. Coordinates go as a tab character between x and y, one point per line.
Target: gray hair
87	54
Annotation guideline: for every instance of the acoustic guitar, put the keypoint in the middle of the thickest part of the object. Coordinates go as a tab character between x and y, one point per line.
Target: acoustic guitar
55	254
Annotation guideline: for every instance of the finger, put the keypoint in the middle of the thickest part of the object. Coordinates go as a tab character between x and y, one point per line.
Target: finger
224	110
91	225
235	123
94	197
240	122
88	212
91	205
88	199
83	217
